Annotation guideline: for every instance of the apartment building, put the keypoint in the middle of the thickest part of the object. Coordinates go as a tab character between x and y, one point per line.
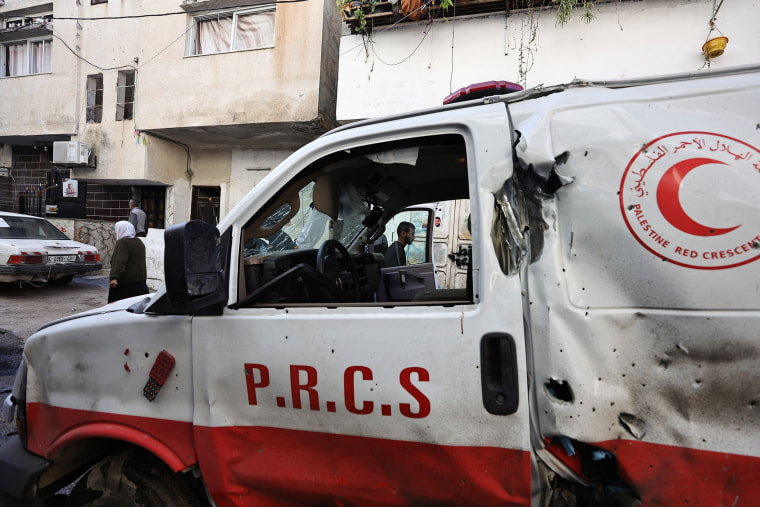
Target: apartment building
181	104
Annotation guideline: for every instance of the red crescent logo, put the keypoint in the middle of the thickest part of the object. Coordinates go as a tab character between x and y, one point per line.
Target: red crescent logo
669	201
669	209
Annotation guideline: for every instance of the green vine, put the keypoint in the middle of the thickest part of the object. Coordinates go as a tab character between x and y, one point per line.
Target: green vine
359	10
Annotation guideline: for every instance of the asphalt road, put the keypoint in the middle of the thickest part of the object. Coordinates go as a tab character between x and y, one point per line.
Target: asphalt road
23	309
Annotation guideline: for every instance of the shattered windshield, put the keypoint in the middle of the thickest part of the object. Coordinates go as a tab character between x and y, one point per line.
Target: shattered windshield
308	227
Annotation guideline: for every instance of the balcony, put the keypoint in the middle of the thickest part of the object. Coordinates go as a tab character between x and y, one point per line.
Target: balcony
364	16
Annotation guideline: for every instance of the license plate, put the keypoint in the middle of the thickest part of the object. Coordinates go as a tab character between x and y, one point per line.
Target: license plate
62	258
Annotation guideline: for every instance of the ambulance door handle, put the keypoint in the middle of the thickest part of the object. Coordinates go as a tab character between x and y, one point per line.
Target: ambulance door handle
498	372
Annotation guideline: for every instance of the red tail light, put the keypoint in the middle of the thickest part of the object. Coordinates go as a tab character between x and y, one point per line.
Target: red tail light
26	258
89	256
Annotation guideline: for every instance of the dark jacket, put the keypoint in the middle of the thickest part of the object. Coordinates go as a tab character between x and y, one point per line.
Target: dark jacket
395	255
128	261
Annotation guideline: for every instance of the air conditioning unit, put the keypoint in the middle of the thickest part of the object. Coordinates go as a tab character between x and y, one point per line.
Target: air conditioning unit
70	153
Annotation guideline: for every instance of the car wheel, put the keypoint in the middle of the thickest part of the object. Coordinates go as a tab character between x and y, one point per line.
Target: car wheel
134	478
63	280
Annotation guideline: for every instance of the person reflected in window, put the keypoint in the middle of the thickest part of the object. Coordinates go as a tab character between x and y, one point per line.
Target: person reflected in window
396	256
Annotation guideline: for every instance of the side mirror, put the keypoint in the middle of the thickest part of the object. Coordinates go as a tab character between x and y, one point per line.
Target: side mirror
193	266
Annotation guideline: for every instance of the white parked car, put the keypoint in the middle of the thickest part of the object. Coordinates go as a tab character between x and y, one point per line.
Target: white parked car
34	250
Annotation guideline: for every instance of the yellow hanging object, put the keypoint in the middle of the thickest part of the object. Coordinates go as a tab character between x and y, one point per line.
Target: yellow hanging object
714	47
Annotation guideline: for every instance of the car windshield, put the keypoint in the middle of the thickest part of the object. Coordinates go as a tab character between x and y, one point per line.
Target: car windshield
12	227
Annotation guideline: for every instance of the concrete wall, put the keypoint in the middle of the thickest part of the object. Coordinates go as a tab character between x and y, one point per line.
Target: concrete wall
413	66
48	111
102	236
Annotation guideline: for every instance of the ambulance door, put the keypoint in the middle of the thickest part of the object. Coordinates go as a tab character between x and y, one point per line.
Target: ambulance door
313	394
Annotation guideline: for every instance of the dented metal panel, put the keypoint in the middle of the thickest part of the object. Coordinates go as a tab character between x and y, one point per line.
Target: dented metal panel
86	378
644	327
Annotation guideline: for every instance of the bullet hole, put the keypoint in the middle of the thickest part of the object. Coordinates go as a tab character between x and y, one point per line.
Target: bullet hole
560	350
147	355
630	207
593	409
614	350
633	425
583	288
664	363
698	383
752	404
559	389
633	365
332	351
599	379
586	314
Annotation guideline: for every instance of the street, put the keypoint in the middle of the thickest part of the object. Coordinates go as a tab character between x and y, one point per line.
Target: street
24	309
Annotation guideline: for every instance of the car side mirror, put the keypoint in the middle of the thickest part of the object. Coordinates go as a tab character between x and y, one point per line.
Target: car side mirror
193	266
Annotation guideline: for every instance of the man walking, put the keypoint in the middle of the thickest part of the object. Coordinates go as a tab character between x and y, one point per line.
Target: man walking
137	218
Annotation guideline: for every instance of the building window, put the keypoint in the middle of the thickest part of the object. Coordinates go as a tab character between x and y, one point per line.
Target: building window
94	98
153	203
206	202
231	31
26	57
94	2
125	95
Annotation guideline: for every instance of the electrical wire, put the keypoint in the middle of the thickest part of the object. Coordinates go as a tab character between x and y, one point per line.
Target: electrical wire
210	9
89	62
451	75
420	8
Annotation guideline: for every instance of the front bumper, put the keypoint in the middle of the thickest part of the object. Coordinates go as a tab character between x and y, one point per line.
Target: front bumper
19	470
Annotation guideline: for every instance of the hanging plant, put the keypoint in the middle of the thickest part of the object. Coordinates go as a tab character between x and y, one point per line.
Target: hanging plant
565	10
357	9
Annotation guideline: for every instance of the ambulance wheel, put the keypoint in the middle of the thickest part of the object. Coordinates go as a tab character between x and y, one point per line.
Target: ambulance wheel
132	478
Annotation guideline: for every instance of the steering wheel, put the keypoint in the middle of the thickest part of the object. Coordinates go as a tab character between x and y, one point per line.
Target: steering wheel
327	264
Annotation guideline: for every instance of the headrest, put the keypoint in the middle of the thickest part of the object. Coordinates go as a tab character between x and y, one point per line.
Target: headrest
326	198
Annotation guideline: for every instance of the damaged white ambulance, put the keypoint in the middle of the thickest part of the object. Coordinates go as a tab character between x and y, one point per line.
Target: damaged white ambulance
601	347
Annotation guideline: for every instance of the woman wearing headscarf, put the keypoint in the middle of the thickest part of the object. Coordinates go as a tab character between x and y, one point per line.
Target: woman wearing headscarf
128	271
